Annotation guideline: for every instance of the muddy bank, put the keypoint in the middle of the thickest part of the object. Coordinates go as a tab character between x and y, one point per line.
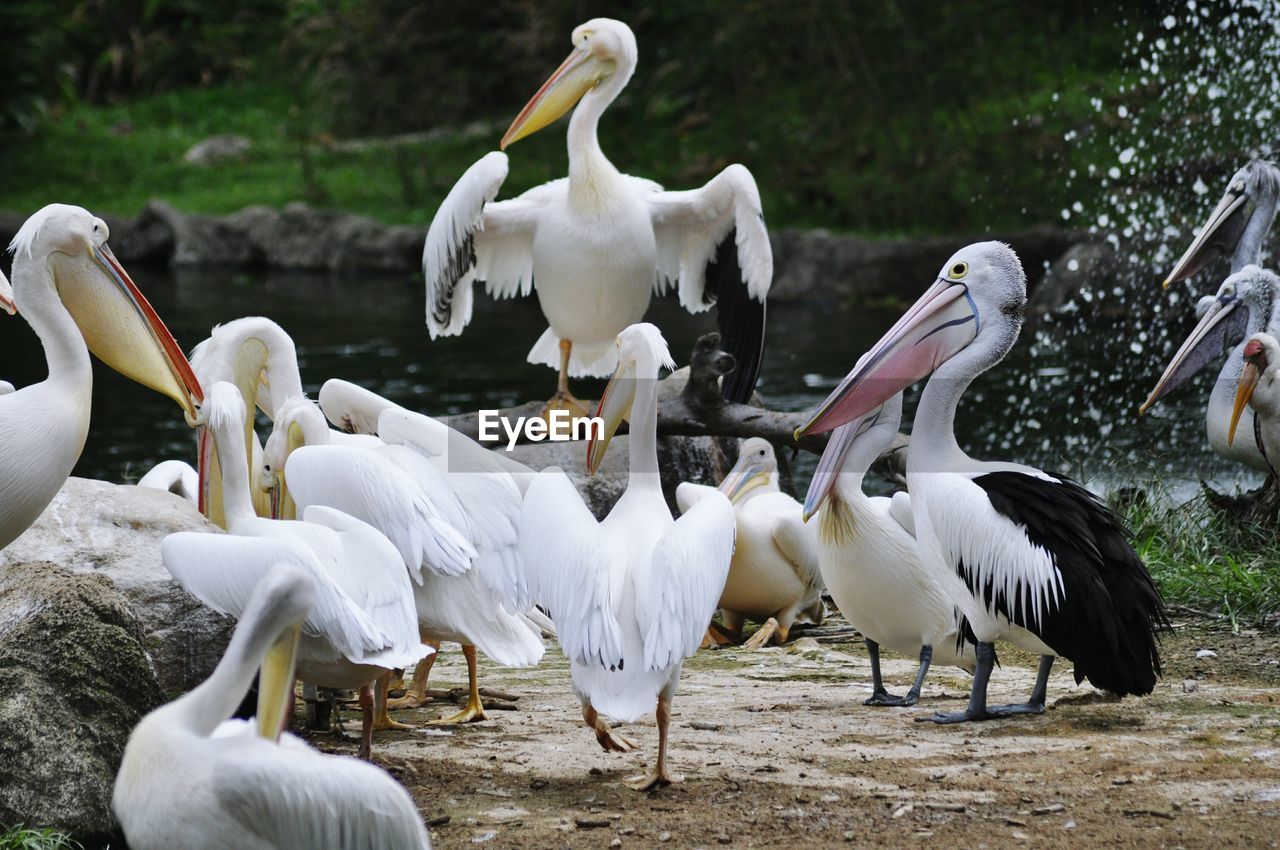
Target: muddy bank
777	750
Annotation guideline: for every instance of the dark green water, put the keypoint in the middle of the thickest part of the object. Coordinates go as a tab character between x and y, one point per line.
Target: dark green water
1063	399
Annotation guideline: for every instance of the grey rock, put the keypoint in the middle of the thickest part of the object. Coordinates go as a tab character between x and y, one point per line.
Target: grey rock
1084	266
217	149
74	681
206	240
115	531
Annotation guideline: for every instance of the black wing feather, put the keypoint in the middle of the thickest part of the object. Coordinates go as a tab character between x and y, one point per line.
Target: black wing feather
740	317
1111	612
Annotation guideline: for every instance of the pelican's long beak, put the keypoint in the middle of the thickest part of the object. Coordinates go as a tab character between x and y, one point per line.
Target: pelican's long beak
746	475
615	406
1206	342
576	76
275	683
1218	237
828	471
122	329
1249	378
6	296
939	325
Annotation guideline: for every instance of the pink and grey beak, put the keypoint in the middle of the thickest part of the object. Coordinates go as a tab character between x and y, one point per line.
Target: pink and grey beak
1221	325
828	471
6	296
1219	236
939	325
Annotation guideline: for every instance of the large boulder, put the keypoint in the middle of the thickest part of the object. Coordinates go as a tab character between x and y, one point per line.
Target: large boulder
74	681
115	531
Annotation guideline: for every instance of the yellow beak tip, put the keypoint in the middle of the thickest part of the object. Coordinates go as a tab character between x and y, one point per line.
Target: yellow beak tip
1167	283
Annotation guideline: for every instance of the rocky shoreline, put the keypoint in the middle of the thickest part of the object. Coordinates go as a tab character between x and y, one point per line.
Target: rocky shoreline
815	266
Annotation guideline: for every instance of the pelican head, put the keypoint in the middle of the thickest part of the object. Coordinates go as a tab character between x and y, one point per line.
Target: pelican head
297	423
1244	302
755	472
117	322
281	601
6	296
980	294
1261	356
604	51
642	354
1247	208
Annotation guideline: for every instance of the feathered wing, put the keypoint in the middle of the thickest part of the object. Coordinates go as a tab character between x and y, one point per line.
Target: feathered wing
222	570
471	238
368	486
689	494
693	230
900	511
567	563
798	543
373	574
678	595
292	796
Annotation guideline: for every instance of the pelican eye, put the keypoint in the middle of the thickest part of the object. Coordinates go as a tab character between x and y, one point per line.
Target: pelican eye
958	270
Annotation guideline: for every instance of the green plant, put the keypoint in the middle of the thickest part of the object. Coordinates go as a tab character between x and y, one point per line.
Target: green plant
22	838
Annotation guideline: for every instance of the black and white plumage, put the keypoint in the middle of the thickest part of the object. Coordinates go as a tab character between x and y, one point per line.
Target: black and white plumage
1027	556
596	245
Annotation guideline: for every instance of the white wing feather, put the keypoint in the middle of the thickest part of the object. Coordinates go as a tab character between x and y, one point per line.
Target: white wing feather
294	797
689	494
690	225
676	598
567	563
798	543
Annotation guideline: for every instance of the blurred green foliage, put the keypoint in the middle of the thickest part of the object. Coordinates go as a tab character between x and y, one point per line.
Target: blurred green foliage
873	115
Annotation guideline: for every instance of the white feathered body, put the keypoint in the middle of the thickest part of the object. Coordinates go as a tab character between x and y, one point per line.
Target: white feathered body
235	790
872	569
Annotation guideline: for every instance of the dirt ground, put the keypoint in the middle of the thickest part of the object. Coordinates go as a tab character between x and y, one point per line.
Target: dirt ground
777	750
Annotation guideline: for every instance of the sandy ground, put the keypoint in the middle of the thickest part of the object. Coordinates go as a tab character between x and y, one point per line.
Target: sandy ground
777	750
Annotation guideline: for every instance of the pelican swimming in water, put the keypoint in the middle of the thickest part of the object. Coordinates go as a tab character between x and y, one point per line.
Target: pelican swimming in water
77	298
774	576
1241	307
871	562
631	596
370	627
418	497
1027	556
192	778
1245	304
1259	389
596	245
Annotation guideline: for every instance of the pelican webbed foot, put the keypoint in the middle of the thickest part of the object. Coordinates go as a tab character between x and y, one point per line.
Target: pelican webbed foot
653	781
381	719
415	695
771	632
473	712
880	696
884	698
658	777
565	400
610	741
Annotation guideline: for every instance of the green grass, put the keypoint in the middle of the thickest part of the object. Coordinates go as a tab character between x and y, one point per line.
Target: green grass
920	170
1209	562
21	838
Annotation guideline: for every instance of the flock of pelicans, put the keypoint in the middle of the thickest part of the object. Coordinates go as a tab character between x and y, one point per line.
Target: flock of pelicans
351	553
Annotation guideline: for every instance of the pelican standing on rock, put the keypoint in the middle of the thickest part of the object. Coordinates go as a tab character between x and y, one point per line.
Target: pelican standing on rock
774	576
365	624
77	298
871	563
631	596
597	244
192	778
1027	556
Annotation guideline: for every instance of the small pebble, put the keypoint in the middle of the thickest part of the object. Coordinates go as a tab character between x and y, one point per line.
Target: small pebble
1206	653
848	836
617	842
902	810
664	837
1189	686
583	822
1122	780
1052	808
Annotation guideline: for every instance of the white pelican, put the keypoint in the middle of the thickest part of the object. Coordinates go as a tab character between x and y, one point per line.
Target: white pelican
77	298
870	560
1258	388
774	576
173	476
631	596
194	779
259	358
1245	304
371	626
597	244
1027	556
417	499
